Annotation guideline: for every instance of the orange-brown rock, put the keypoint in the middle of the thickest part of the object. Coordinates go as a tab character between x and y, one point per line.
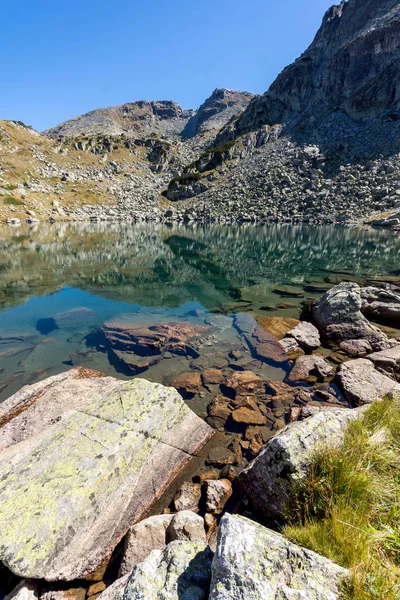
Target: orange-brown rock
248	416
188	382
212	376
277	326
244	382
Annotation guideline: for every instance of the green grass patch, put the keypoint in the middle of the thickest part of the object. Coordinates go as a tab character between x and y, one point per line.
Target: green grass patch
11	200
348	508
10	187
219	149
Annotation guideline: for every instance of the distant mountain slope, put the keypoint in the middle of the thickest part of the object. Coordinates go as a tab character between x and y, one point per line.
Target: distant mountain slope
163	118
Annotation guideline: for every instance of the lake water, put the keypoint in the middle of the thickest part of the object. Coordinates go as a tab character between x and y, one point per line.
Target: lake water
159	274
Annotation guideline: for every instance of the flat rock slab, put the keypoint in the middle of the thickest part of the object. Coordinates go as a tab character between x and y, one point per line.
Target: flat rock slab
69	494
286	458
388	360
361	383
255	563
70	320
37	406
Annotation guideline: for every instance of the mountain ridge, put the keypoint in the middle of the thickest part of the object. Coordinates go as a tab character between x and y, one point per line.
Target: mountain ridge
322	144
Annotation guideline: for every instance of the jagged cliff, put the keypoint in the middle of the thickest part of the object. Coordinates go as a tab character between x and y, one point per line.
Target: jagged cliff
323	142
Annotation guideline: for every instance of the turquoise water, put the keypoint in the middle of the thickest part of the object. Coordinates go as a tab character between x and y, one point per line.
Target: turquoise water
159	274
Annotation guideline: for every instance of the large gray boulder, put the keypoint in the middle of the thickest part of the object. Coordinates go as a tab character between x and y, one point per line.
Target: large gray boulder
337	314
286	458
361	383
69	493
255	563
182	571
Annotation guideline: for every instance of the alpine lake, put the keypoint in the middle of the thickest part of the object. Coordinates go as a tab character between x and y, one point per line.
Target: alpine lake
171	301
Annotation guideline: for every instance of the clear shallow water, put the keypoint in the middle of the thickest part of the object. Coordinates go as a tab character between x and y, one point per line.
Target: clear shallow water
161	274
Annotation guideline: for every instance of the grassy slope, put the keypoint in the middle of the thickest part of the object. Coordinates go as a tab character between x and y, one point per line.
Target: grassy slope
18	163
349	507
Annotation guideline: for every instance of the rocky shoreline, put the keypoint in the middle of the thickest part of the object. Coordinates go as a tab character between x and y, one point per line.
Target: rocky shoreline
114	489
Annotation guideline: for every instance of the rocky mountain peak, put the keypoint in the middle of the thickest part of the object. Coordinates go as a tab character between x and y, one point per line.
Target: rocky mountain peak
351	68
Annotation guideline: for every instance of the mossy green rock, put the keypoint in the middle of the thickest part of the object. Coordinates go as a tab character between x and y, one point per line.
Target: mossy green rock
70	493
255	563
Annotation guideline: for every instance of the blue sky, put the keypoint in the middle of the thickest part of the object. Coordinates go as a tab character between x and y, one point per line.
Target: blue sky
61	58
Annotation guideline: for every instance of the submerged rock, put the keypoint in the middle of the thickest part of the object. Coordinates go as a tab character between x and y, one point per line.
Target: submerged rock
262	344
255	563
69	320
268	480
361	383
133	349
71	492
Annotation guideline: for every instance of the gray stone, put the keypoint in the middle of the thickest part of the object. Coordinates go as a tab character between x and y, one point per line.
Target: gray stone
268	480
361	383
116	590
306	335
26	590
338	316
181	571
186	526
387	360
218	493
143	538
381	304
255	563
307	365
70	493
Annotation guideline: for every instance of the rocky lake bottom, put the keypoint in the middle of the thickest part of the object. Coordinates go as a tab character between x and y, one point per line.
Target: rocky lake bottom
187	306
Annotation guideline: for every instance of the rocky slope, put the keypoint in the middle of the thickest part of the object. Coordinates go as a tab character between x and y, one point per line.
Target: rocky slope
112	162
321	144
323	141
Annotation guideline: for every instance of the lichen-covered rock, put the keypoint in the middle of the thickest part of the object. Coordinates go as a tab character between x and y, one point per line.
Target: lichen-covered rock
181	571
148	535
286	458
255	563
37	406
69	494
338	316
361	383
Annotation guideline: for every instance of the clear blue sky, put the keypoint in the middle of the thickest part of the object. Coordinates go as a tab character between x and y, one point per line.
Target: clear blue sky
61	58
